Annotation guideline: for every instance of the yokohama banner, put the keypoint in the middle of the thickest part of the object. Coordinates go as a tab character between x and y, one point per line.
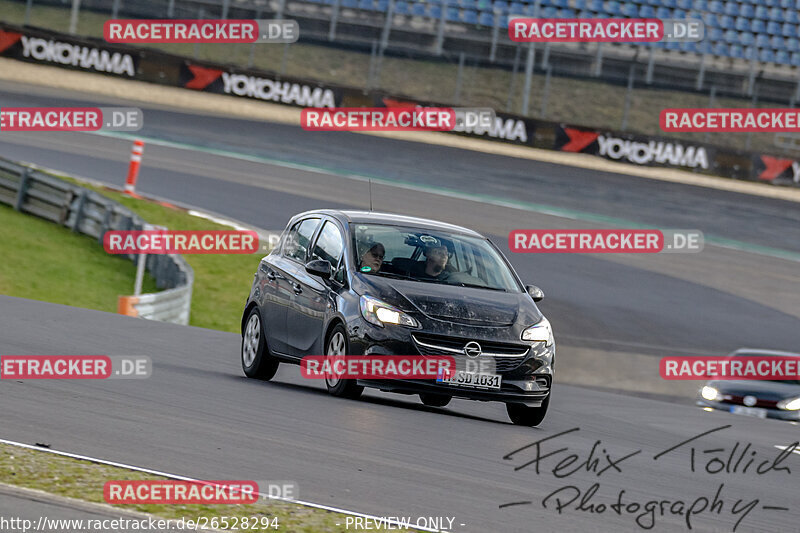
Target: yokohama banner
776	170
68	52
503	127
275	89
635	149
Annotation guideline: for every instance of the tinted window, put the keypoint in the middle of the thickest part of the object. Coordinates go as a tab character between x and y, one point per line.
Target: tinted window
299	239
430	256
329	247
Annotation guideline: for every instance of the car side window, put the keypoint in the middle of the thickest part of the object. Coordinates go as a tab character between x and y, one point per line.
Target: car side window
329	247
299	239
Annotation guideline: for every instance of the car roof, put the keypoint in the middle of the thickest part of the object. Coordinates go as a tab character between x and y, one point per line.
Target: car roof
374	217
759	351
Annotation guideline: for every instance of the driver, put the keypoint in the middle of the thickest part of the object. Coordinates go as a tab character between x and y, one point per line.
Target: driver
372	259
435	262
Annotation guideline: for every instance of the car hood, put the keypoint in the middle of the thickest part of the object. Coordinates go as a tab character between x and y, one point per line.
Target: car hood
459	305
765	390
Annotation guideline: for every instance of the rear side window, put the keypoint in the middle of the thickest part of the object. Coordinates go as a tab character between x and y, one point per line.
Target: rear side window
299	239
329	247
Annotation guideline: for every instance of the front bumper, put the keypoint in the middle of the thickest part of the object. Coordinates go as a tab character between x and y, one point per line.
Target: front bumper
778	414
528	382
506	394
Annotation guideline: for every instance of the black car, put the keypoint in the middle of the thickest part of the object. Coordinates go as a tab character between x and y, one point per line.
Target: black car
366	283
761	398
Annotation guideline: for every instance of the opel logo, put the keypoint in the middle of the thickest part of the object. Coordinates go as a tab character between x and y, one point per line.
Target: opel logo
749	401
472	349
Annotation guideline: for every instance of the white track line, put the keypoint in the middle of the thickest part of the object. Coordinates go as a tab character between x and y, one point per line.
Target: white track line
796	450
383	520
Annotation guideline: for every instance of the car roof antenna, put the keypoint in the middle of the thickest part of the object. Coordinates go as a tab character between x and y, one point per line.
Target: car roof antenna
370	194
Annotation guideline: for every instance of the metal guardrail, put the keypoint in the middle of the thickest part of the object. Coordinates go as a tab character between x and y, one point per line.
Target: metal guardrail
32	191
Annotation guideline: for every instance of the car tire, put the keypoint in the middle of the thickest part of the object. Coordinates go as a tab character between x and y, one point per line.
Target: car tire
435	400
523	415
336	346
257	362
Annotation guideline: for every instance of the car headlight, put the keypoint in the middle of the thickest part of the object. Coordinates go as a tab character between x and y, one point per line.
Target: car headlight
540	332
380	313
790	404
709	393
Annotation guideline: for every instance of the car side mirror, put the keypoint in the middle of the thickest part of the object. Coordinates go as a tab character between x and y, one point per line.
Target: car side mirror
536	293
319	267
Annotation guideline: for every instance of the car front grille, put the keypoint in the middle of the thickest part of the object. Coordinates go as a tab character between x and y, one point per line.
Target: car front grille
739	400
505	356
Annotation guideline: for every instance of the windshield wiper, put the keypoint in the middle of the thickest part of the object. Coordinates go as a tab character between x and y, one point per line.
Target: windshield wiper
476	286
459	284
393	275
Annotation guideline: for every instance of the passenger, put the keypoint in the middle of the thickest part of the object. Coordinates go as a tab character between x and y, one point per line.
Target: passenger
372	259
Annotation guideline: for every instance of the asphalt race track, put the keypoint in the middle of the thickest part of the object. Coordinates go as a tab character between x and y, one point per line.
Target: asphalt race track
388	455
385	455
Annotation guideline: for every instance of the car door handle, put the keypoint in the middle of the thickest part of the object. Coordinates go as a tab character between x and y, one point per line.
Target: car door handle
297	288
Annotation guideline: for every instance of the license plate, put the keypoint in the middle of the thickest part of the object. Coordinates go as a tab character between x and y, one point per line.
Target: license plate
472	379
749	411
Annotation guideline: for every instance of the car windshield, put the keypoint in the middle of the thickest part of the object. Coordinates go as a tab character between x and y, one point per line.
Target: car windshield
430	256
787	381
